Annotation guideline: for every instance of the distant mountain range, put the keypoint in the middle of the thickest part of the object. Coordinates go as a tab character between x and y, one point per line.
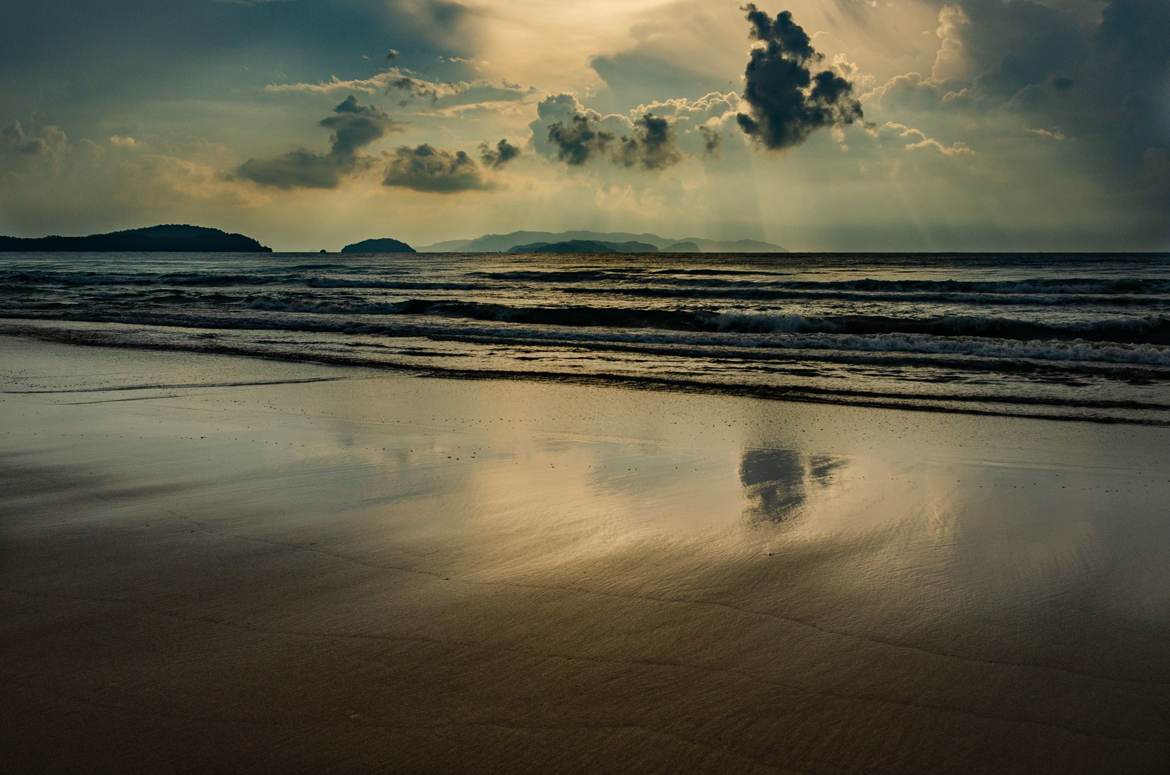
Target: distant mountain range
171	238
504	243
585	246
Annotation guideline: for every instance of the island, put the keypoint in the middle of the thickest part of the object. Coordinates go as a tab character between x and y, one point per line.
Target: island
169	238
682	247
585	246
381	245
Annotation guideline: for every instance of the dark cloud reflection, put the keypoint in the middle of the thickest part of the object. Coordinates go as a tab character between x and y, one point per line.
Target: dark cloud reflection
777	482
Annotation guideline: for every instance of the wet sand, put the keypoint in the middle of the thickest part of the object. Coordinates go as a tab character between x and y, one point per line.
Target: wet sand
344	570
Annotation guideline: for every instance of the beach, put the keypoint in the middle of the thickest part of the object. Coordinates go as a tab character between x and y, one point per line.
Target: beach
213	563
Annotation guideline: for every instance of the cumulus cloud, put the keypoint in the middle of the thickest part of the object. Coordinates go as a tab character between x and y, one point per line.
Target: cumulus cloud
650	146
698	124
353	126
498	156
579	139
567	131
433	170
786	100
951	60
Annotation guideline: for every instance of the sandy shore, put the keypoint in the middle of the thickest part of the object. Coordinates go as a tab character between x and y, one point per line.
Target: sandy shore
211	563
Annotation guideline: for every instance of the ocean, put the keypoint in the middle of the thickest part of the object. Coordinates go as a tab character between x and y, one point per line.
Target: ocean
1063	336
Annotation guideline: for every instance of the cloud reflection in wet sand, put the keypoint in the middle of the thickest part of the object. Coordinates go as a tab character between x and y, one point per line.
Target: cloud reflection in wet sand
776	482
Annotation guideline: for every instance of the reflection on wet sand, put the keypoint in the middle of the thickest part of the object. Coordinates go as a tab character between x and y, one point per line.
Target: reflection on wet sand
776	481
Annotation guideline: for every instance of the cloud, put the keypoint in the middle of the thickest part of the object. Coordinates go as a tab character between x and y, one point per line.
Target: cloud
712	140
665	48
123	141
699	125
432	170
650	146
916	140
951	60
407	87
786	100
579	139
1013	69
48	141
500	155
353	127
1050	134
568	132
137	50
643	73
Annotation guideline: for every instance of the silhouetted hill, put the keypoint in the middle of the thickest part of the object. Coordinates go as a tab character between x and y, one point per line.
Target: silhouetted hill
503	243
171	238
682	247
585	246
381	245
734	246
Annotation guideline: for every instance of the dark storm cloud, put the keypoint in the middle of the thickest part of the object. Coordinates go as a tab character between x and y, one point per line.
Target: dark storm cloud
429	169
500	155
1106	77
570	133
579	139
1099	79
650	146
787	100
1095	75
353	127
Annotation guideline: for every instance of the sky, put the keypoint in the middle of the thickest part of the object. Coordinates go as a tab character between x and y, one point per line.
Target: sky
834	125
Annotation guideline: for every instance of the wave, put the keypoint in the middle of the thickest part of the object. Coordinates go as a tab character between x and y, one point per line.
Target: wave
1144	329
1148	329
668	280
761	294
1047	285
758	340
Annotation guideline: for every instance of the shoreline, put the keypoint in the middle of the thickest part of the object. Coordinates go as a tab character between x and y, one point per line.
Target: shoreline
41	330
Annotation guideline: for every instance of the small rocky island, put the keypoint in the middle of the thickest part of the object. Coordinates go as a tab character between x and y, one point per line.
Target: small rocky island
170	238
585	246
382	245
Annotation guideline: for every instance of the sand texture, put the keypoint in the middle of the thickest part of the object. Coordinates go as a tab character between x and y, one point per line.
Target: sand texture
211	564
